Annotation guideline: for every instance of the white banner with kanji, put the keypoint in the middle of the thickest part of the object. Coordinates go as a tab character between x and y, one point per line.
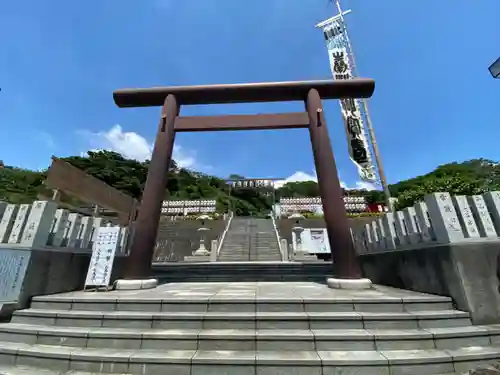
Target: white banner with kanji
103	256
358	147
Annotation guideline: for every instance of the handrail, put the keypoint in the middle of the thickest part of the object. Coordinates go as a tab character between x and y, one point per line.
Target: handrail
278	237
221	240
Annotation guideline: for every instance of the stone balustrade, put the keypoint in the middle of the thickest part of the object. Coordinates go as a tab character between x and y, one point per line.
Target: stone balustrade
44	250
43	225
439	219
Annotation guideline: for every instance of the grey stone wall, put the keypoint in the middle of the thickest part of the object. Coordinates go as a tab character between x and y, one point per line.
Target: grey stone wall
47	271
467	272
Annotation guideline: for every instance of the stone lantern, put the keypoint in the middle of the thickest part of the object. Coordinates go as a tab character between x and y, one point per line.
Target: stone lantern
297	229
202	250
299	252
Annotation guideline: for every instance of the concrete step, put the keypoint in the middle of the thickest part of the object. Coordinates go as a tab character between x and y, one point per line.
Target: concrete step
247	328
227	339
247	278
242	304
201	362
264	259
242	270
25	370
244	320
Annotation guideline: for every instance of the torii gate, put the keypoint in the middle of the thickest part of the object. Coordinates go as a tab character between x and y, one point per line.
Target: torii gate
138	273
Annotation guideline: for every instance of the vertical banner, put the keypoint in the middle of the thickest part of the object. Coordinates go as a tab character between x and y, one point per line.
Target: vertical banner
340	65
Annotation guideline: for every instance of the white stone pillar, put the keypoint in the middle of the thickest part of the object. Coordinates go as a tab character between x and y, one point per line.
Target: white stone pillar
492	199
401	230
59	226
465	216
444	218
85	232
483	219
375	235
7	222
74	220
19	224
39	224
424	222
391	240
411	222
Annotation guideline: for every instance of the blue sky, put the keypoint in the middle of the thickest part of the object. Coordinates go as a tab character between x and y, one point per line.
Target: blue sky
61	60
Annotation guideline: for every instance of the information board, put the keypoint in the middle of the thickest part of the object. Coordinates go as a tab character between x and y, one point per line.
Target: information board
13	266
314	241
103	256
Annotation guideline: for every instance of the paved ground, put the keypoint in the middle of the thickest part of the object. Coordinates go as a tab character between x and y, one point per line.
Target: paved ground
252	291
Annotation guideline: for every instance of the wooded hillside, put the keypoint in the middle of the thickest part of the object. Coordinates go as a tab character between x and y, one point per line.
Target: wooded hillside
469	177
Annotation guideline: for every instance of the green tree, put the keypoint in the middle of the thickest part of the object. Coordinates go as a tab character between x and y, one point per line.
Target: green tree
23	186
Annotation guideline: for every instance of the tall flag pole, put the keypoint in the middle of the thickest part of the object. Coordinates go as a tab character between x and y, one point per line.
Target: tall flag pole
343	66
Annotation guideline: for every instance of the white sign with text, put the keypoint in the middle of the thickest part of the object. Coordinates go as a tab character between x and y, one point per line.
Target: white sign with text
103	256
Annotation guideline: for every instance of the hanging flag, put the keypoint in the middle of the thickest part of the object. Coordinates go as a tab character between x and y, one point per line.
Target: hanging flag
340	65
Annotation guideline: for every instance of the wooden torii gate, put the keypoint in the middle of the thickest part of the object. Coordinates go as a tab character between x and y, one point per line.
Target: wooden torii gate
172	98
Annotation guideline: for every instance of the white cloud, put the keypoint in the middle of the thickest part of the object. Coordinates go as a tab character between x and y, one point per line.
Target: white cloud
134	146
363	185
300	176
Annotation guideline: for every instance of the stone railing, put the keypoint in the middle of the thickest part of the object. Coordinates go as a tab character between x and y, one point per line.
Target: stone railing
439	219
46	250
43	225
224	232
445	245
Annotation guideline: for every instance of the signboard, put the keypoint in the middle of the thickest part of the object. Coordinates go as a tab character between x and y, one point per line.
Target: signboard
13	267
103	256
314	241
341	68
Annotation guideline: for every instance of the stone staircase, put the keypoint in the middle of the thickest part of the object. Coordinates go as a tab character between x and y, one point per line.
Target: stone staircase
317	271
264	245
236	245
245	328
250	239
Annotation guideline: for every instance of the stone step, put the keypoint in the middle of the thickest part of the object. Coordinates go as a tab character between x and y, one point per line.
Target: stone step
201	362
244	320
242	270
227	339
235	277
241	304
25	370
